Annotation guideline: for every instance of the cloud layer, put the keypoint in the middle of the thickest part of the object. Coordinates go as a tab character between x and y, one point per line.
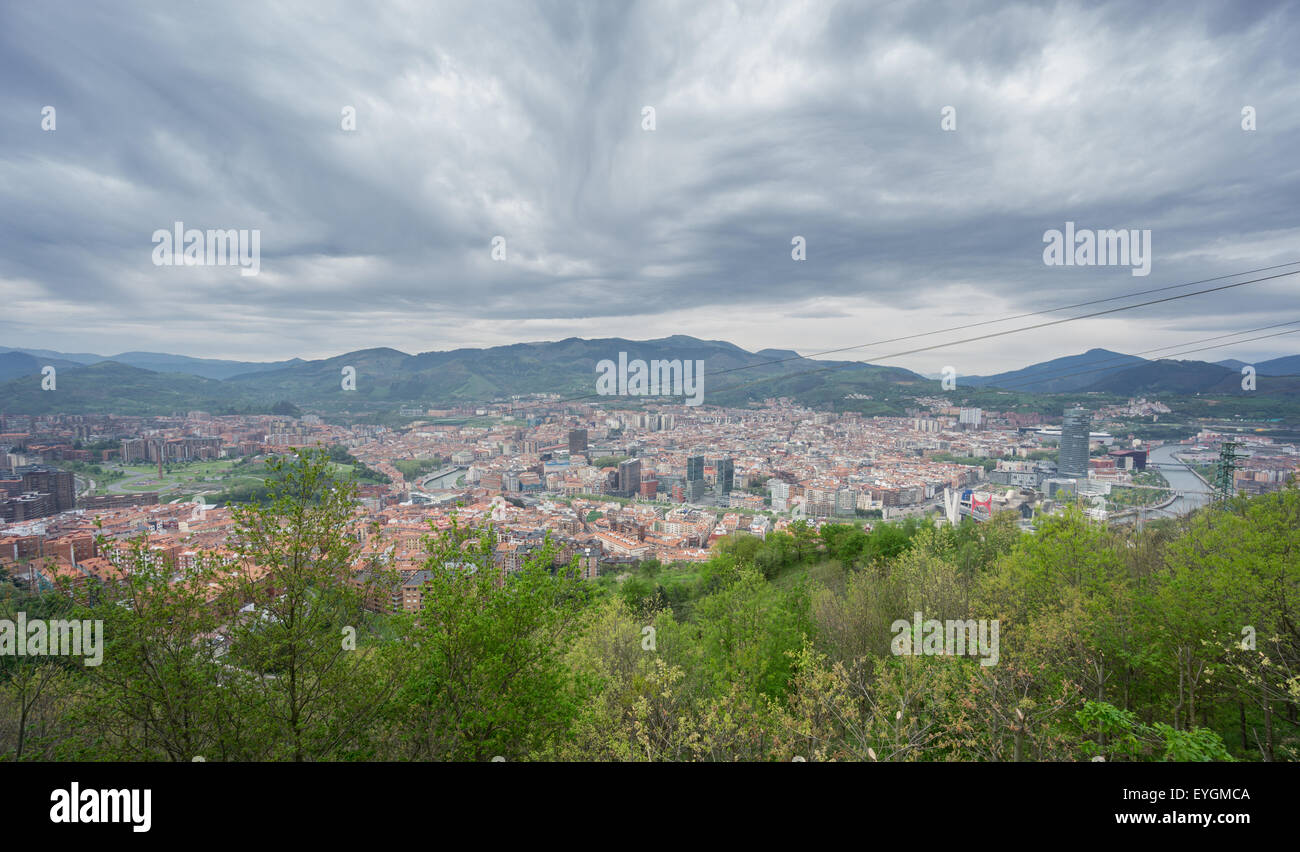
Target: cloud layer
481	119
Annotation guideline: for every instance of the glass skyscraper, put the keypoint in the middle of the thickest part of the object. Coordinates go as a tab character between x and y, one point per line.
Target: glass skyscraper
1072	460
726	468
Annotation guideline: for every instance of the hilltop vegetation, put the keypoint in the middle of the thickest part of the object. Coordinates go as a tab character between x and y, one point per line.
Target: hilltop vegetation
1112	643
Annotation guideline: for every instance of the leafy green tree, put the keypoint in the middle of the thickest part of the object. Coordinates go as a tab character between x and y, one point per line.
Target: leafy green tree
844	542
299	635
1124	736
157	694
805	539
484	655
31	688
1229	603
747	629
888	541
30	699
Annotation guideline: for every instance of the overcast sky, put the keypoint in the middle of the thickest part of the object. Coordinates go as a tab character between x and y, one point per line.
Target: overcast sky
525	120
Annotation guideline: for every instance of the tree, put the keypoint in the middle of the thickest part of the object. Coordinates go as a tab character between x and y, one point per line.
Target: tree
297	625
844	542
35	692
484	654
156	694
1129	738
746	630
31	688
1228	602
805	540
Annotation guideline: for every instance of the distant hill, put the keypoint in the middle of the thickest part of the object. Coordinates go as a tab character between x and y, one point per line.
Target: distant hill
1183	377
1060	375
14	364
119	388
209	368
566	367
158	362
77	357
1115	372
1288	365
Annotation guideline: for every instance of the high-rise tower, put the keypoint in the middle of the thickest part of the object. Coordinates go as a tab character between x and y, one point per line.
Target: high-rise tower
1072	460
577	442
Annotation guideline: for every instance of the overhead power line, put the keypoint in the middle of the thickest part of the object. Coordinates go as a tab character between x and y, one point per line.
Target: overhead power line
1004	333
1005	319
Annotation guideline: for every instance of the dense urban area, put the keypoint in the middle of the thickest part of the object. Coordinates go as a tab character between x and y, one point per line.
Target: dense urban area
614	487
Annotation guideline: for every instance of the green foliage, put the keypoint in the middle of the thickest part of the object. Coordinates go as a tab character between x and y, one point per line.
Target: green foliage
483	657
1196	745
747	631
1176	643
413	469
1120	735
339	455
255	657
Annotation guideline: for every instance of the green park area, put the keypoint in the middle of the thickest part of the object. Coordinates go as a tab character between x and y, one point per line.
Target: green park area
219	481
178	480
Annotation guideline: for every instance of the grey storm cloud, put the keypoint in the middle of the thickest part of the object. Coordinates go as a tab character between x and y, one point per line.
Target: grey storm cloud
480	119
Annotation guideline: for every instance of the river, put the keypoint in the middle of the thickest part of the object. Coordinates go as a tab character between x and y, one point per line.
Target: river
1180	478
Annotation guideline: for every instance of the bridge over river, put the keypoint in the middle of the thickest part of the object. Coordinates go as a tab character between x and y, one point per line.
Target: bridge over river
1190	491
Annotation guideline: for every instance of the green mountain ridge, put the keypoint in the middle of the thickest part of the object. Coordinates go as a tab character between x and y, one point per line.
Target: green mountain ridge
386	377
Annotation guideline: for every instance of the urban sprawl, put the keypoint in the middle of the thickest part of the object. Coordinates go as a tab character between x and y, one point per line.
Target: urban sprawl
609	488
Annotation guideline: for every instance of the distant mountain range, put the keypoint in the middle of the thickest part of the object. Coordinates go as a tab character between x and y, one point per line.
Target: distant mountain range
157	362
157	383
1115	372
1288	365
1060	375
387	377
